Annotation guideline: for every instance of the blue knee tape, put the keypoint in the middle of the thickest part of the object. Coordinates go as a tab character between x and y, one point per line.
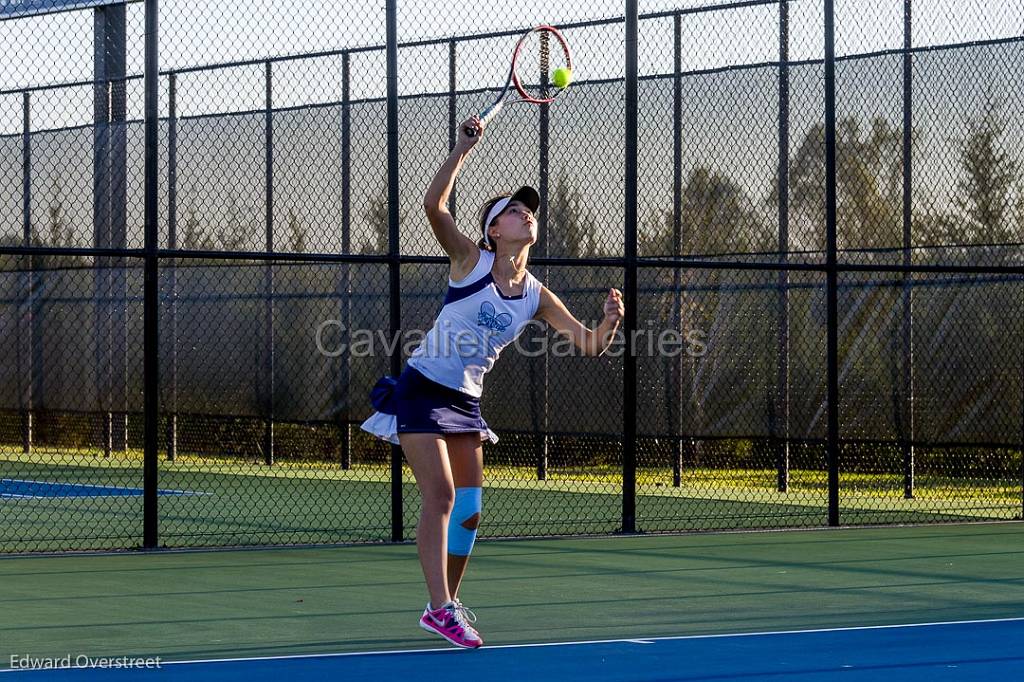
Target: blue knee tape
468	502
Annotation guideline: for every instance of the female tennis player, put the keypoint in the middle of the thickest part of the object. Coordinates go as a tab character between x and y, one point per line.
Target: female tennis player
433	409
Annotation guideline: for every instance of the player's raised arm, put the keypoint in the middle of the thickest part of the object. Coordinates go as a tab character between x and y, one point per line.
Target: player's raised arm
458	246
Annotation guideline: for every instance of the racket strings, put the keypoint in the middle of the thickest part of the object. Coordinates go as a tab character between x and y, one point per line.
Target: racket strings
539	56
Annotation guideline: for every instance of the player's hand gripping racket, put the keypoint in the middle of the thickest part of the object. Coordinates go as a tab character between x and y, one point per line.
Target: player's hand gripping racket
541	70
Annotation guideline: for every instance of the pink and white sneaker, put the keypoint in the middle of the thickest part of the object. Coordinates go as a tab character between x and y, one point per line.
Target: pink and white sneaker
451	622
469	618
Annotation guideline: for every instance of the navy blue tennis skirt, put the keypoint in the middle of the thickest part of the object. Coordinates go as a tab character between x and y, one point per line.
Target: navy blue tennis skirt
420	405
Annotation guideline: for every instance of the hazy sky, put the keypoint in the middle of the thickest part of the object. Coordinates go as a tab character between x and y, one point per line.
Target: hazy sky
58	48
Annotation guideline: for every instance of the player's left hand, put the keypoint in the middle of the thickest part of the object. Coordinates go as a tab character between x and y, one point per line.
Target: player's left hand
614	308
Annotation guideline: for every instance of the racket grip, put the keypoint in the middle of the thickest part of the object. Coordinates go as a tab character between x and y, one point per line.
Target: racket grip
485	117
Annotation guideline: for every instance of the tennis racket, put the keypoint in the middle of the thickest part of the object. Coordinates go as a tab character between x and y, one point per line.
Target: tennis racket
538	53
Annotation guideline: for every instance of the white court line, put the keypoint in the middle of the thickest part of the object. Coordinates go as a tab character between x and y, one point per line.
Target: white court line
644	640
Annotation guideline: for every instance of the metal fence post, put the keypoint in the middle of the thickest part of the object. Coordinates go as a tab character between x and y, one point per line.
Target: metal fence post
394	288
540	439
780	413
110	197
832	275
629	434
110	219
101	224
344	383
119	240
172	269
151	302
27	367
268	274
906	423
676	378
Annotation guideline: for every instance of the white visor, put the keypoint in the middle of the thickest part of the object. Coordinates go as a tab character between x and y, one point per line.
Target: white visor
495	211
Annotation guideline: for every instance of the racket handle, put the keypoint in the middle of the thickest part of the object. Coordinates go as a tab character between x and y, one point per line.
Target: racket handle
485	117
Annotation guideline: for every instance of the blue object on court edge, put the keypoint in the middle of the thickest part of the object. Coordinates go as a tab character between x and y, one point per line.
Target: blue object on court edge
12	488
468	502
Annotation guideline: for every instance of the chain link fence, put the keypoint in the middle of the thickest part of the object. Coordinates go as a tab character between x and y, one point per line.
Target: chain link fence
816	210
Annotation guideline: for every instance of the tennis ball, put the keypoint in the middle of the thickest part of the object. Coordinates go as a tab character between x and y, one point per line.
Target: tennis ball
562	77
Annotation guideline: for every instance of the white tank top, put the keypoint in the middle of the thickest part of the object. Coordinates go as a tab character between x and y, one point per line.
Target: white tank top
475	323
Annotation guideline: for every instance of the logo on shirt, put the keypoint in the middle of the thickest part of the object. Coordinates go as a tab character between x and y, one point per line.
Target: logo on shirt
487	318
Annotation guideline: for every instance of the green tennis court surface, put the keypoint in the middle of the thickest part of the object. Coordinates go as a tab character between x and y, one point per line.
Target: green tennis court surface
256	603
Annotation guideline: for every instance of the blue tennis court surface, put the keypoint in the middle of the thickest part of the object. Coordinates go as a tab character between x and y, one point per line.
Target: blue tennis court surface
15	488
971	650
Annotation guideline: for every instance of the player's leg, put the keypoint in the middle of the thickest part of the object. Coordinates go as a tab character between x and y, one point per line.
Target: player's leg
427	454
466	457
